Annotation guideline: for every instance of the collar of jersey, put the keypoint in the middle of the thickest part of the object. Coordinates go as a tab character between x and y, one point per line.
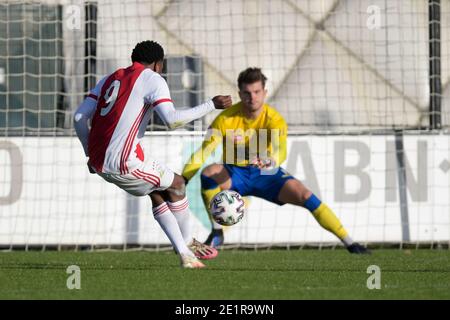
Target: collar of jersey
257	118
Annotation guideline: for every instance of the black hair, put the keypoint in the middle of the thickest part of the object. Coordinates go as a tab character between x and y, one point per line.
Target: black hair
251	75
147	52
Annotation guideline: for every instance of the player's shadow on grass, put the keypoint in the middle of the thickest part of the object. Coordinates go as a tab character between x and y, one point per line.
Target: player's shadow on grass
176	267
357	270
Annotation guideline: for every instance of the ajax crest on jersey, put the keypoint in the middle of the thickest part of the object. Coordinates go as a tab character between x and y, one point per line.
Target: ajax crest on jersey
227	207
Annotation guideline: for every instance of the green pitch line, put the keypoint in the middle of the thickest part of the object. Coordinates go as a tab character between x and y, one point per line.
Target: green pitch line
266	274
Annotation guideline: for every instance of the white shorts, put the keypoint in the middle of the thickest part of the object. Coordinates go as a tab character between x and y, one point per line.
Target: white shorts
151	176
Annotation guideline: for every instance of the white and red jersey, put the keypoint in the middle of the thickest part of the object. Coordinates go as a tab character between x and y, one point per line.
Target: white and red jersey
124	99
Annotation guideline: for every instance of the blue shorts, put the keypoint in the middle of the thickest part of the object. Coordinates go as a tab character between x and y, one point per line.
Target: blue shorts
249	181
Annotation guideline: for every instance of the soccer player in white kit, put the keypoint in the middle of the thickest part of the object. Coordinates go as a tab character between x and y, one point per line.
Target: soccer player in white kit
119	109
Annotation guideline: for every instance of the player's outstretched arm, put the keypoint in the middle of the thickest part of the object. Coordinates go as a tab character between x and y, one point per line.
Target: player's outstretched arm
174	118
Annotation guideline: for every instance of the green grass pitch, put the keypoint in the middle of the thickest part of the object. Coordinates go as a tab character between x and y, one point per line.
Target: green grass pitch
235	274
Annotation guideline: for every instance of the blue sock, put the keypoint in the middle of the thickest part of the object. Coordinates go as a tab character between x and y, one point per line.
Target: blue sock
208	183
312	203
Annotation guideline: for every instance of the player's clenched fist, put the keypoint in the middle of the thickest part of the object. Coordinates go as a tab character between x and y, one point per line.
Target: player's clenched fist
222	102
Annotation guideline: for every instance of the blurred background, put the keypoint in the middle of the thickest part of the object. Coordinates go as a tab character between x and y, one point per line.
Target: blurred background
332	65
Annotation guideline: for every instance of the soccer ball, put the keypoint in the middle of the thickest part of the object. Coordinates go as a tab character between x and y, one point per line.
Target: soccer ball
227	207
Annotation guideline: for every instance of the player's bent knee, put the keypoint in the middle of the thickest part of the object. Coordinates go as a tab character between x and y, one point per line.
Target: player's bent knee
178	187
306	195
212	169
294	192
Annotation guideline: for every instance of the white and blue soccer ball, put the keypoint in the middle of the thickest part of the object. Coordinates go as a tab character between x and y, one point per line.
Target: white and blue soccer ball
227	207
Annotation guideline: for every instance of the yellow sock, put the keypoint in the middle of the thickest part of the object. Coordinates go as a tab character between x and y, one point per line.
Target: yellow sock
246	202
207	196
328	220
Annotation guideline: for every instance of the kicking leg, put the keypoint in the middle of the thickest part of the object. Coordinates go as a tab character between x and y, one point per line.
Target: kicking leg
176	199
169	224
294	192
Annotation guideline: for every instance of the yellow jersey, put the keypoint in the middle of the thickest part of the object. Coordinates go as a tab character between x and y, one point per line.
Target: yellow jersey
242	139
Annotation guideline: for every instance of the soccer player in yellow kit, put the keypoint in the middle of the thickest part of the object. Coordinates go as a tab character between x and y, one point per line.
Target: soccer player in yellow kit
253	135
